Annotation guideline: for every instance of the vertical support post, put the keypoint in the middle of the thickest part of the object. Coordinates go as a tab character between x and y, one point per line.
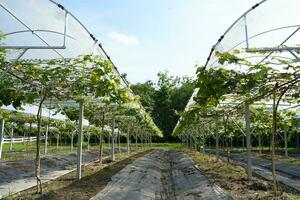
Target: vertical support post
272	145
89	137
243	140
11	139
57	141
186	141
109	141
128	140
285	144
142	141
101	136
113	139
30	133
259	143
119	141
217	145
136	141
217	138
65	28
203	144
1	135
72	141
79	146
246	32
146	139
248	141
46	140
262	143
223	141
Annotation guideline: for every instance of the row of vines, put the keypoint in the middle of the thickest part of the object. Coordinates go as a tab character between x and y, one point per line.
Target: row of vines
257	105
82	88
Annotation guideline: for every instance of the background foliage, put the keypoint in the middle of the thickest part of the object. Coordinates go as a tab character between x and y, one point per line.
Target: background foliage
164	100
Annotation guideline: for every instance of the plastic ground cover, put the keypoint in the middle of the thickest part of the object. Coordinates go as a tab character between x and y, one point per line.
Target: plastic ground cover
161	175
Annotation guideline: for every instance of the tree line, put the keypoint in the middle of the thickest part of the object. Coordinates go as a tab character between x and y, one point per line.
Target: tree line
165	99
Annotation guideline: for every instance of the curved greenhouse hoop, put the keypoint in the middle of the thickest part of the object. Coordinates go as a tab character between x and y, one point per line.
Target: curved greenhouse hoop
47	31
230	27
67	14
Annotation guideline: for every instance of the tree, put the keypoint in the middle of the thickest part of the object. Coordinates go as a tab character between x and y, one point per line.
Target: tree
146	91
165	99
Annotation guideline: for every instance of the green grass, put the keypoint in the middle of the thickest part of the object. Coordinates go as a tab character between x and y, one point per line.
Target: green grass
279	157
167	146
233	178
17	147
31	146
163	146
267	148
27	150
210	165
266	153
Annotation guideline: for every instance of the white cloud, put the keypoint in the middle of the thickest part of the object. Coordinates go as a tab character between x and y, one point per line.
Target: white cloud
123	38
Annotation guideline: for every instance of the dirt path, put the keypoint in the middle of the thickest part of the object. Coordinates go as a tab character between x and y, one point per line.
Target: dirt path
161	175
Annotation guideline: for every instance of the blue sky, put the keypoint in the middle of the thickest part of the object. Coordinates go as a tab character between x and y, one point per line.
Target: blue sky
144	37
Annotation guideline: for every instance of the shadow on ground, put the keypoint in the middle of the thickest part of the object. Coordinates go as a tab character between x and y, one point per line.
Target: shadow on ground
95	178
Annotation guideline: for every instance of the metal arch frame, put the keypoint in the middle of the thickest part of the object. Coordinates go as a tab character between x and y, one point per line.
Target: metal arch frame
228	29
265	49
264	32
269	62
54	48
93	37
38	30
26	48
48	46
269	49
97	45
12	64
256	35
257	56
247	38
281	44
